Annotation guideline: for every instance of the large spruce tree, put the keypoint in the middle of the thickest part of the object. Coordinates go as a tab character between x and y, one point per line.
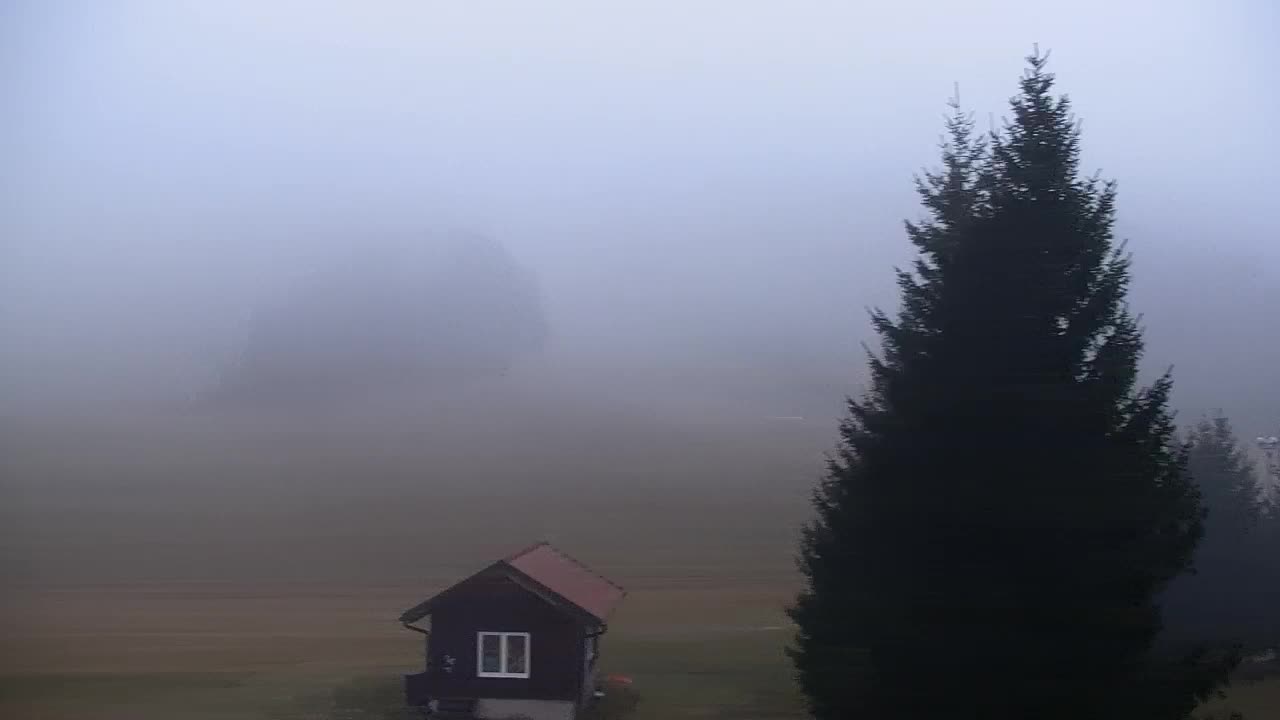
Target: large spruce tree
1006	500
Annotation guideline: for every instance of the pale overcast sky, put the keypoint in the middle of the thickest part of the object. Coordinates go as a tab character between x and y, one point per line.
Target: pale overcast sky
690	181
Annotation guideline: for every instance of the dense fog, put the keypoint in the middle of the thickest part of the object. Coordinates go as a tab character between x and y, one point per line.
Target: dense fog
671	208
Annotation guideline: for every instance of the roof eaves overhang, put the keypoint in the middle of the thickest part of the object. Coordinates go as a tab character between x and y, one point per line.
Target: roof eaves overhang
551	597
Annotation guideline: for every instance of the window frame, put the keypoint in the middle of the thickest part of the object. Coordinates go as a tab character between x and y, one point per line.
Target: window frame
502	654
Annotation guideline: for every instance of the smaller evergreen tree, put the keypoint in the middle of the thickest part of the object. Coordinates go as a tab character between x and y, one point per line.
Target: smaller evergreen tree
1269	539
1225	474
1221	604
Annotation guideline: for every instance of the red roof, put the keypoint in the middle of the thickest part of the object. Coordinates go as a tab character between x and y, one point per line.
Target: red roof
568	578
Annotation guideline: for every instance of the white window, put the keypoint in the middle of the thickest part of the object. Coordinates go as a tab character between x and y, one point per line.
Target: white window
502	654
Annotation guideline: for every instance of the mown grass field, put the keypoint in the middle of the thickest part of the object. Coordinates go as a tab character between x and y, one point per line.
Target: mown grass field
204	570
700	648
1258	700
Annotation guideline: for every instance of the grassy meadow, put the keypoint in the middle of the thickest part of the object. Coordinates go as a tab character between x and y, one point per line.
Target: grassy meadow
254	568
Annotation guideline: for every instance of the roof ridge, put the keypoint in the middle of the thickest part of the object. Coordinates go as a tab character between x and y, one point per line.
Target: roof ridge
526	550
582	565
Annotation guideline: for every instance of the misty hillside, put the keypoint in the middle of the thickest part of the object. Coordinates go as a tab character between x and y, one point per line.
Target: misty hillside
426	311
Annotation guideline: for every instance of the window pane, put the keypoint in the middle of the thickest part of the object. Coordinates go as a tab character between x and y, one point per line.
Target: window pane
517	649
490	650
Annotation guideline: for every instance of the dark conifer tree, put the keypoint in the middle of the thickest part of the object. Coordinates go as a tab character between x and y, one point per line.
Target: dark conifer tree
1006	500
1224	604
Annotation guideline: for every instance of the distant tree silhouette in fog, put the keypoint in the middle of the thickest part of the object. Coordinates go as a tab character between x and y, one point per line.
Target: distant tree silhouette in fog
433	310
1006	502
1228	602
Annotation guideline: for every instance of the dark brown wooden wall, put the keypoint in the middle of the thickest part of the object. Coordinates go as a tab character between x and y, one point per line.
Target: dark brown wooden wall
499	605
